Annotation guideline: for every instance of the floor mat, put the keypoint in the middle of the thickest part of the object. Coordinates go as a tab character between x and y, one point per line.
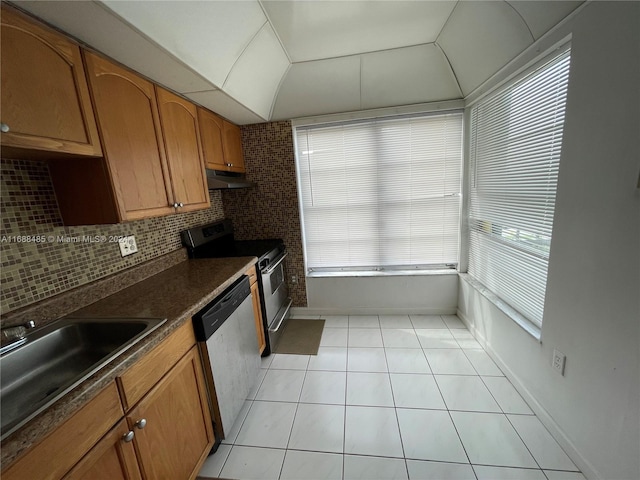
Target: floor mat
301	337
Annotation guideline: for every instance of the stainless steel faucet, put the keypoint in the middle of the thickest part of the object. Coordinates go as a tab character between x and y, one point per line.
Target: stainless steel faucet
12	337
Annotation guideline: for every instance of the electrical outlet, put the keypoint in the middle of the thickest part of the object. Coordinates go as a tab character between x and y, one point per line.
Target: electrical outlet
294	279
559	359
128	245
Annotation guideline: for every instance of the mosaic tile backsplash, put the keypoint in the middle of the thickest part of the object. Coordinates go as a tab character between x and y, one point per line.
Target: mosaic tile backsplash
270	210
64	258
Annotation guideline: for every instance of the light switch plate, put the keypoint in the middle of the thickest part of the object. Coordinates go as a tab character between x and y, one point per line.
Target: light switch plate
128	245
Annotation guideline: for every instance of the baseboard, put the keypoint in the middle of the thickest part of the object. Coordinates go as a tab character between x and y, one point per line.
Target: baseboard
547	420
372	311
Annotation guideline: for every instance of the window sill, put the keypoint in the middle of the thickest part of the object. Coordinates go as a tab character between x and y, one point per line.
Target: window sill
388	273
509	311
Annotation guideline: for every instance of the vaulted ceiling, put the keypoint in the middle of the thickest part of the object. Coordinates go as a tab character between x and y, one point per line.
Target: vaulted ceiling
259	60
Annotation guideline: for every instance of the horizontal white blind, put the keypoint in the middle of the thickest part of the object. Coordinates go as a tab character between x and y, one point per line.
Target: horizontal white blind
381	194
516	140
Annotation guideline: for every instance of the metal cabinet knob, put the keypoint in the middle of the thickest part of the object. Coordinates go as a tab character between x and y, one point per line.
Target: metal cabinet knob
181	204
175	205
229	164
4	127
141	423
128	437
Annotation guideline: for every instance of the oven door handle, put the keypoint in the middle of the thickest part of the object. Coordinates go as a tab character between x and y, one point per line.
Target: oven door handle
271	268
273	327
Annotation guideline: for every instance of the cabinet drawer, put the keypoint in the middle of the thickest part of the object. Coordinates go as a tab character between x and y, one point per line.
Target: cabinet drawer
138	380
253	275
61	450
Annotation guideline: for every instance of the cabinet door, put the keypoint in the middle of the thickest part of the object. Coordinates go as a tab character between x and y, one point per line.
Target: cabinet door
232	141
70	442
184	154
113	458
211	127
130	126
45	100
178	434
257	315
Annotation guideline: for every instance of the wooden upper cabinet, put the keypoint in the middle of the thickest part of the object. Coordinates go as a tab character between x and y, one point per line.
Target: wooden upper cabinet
46	109
184	153
232	142
127	113
211	127
221	142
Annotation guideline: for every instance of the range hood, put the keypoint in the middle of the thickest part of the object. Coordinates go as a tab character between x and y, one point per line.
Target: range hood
220	180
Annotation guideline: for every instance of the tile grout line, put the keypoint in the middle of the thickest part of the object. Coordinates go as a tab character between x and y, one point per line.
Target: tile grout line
344	416
393	394
395	406
451	417
295	415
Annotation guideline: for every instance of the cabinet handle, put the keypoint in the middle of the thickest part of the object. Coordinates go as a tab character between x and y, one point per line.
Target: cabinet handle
229	164
175	205
4	127
141	423
128	437
181	204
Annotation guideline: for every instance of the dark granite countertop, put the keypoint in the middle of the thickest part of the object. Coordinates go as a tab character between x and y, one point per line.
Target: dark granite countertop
176	294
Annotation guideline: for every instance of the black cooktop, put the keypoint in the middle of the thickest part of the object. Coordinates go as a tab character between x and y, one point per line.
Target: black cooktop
216	240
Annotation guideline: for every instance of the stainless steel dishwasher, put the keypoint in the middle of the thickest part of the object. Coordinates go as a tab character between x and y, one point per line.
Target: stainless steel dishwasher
226	334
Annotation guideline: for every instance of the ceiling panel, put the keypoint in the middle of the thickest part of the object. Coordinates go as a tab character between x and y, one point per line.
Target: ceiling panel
223	104
255	77
405	76
326	29
542	15
208	36
316	88
348	55
480	38
107	33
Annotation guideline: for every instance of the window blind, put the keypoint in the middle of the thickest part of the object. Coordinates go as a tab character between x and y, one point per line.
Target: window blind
381	194
516	140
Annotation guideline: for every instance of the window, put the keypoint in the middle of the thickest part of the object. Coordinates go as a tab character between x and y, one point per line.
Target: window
381	194
516	139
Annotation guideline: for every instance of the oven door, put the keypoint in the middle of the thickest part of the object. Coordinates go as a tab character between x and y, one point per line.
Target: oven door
276	293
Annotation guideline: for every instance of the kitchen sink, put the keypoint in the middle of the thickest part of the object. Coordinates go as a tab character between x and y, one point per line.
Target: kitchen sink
56	358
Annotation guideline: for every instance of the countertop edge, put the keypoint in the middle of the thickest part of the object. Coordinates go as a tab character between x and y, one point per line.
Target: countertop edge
41	426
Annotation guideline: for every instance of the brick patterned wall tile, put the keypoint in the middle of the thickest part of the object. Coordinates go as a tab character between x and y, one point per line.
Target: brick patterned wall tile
270	210
30	272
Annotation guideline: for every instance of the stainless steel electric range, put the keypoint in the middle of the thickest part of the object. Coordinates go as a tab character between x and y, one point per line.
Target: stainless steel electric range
216	240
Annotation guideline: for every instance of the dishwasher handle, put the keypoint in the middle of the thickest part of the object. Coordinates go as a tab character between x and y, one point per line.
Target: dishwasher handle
211	317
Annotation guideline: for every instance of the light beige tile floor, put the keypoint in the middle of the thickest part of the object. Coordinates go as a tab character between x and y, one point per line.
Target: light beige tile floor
388	397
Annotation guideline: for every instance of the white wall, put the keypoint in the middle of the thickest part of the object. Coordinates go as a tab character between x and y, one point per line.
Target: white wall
592	311
429	294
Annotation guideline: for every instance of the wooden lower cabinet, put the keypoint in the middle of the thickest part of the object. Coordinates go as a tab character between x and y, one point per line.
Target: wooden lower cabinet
177	433
52	458
113	458
257	315
167	434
